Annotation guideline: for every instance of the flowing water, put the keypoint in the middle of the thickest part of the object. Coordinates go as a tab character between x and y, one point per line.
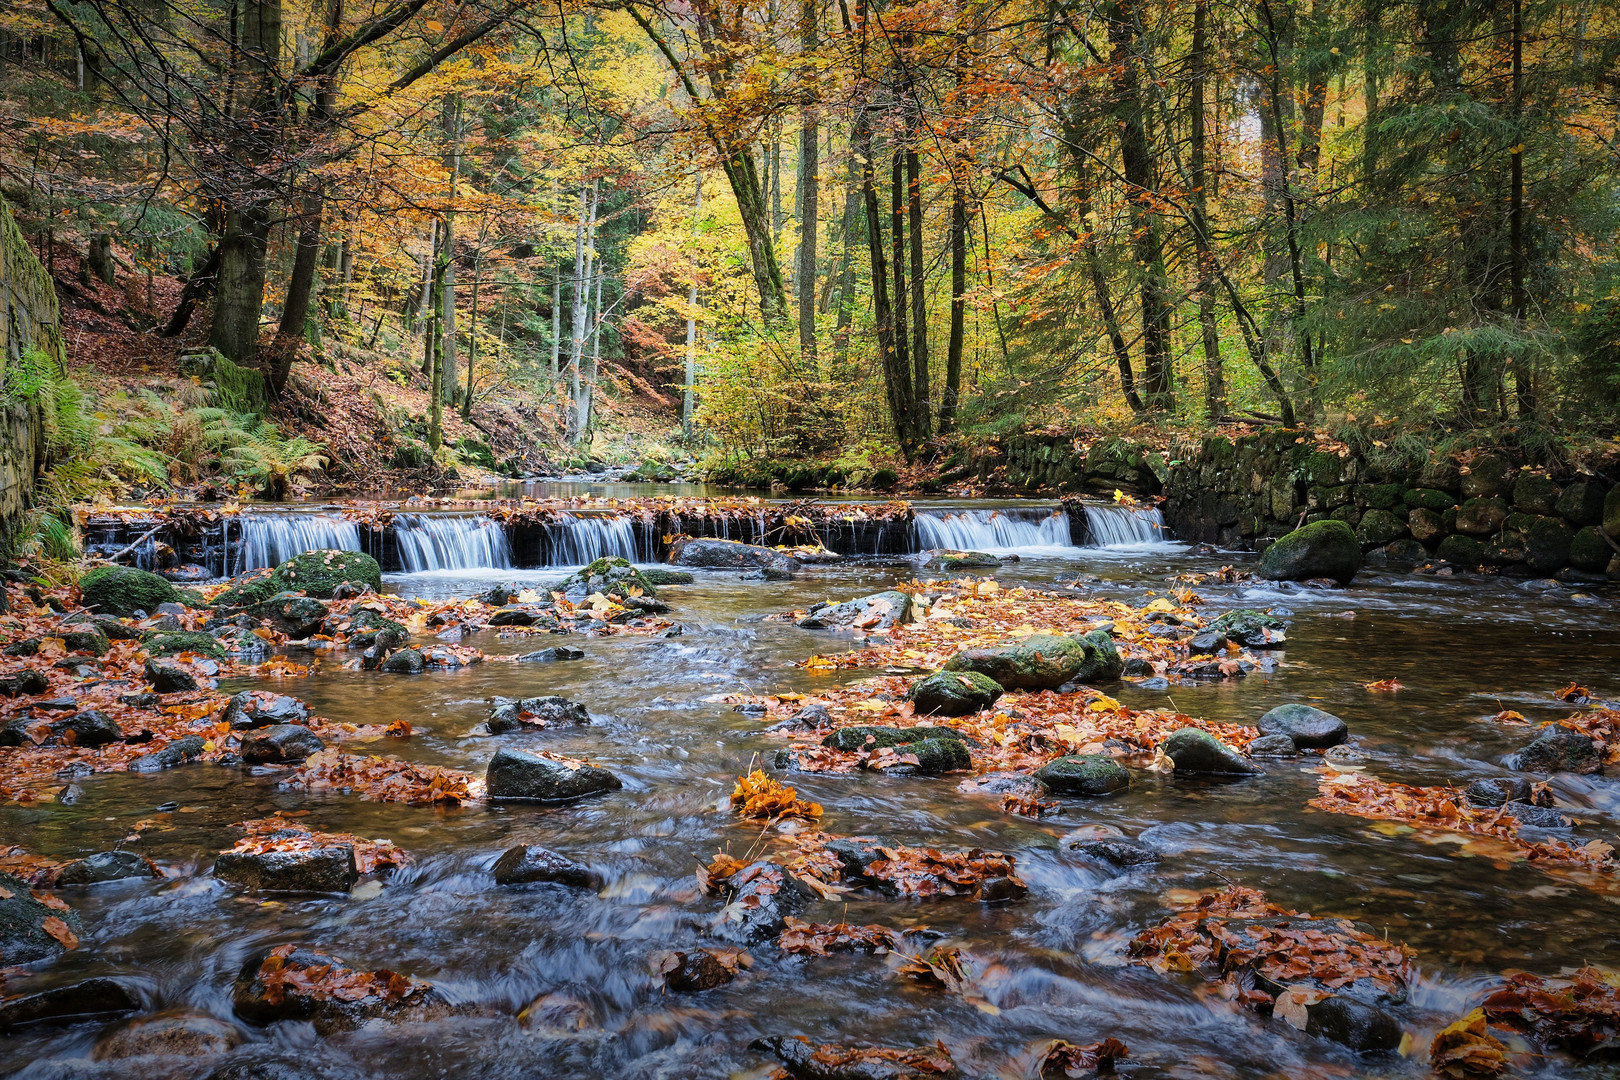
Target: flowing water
1050	966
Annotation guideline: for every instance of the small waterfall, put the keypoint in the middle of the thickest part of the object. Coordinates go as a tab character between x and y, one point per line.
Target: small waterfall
1113	525
450	542
272	539
580	539
988	530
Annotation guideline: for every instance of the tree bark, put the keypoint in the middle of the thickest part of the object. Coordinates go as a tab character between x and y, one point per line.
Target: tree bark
1198	76
902	298
307	253
922	387
199	286
953	350
809	194
452	124
896	373
689	391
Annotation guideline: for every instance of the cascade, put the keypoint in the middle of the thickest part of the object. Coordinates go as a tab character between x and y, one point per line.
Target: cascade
987	530
580	539
272	539
1113	525
450	542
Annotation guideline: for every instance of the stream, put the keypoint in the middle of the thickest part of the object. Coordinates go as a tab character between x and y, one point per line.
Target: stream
1050	966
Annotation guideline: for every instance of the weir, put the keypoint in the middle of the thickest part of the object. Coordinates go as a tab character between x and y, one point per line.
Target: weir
531	537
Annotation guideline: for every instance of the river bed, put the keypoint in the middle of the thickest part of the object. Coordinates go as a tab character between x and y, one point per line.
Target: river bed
1051	966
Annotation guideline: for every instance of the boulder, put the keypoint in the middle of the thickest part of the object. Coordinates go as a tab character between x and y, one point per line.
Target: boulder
257	708
660	576
168	1035
92	727
873	737
280	744
1322	549
939	559
934	756
1559	749
516	774
1487	476
1462	551
89	640
106	866
1547	545
1581	503
297	983
1611	513
319	573
763	895
1427	526
405	662
515	615
614	578
1364	1028
1248	626
176	753
1310	728
1496	790
298	617
1379	527
1482	516
68	1004
528	863
1428	499
254	587
1043	661
696	970
26	924
880	611
1589	552
168	678
25	682
1272	746
123	590
552	655
315	870
1197	751
510	714
730	555
1534	493
1084	774
953	693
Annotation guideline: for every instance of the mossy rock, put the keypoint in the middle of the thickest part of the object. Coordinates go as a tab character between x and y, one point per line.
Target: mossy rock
319	573
1548	545
411	454
474	452
1428	499
23	937
953	693
1038	662
1380	496
1462	550
168	644
1322	549
250	589
1379	527
875	736
659	576
1534	493
1084	774
123	590
1588	551
90	641
612	577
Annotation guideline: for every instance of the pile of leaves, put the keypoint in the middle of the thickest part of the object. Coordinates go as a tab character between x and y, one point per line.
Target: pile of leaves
32	869
382	779
1444	808
906	871
822	939
278	833
1065	1059
978	613
805	1059
284	978
760	798
1580	1013
1237	934
1468	1049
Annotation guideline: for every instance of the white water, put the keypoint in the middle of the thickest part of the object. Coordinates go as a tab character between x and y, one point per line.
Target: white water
993	530
1123	526
272	539
440	542
577	540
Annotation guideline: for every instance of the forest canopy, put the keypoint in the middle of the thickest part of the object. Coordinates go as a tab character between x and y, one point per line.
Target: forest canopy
812	228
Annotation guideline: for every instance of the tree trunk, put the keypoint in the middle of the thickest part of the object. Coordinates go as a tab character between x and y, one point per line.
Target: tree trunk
922	387
472	337
100	259
1519	364
1147	248
301	283
689	391
845	283
452	124
199	286
809	194
239	295
434	340
896	373
953	350
902	298
1198	69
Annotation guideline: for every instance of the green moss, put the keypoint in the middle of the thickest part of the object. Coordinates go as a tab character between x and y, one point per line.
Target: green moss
168	644
123	590
319	573
247	592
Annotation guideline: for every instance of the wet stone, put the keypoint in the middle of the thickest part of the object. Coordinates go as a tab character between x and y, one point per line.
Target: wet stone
67	1004
695	970
874	736
811	718
1496	790
1273	746
176	753
405	662
1084	774
169	1036
529	863
552	655
515	774
763	895
256	709
1537	817
169	679
23	937
953	693
317	870
107	866
1363	1028
1196	751
261	1000
1559	749
280	744
1310	728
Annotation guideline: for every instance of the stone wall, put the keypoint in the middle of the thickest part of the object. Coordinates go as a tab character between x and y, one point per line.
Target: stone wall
1487	512
1059	463
30	319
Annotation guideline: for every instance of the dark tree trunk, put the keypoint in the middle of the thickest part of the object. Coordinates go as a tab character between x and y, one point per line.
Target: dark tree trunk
1198	67
896	373
953	350
199	286
922	386
301	283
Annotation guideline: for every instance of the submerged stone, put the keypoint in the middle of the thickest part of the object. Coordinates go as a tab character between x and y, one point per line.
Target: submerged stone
528	863
317	870
1310	728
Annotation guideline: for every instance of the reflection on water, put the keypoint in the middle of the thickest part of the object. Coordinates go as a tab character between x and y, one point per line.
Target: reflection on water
1050	967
